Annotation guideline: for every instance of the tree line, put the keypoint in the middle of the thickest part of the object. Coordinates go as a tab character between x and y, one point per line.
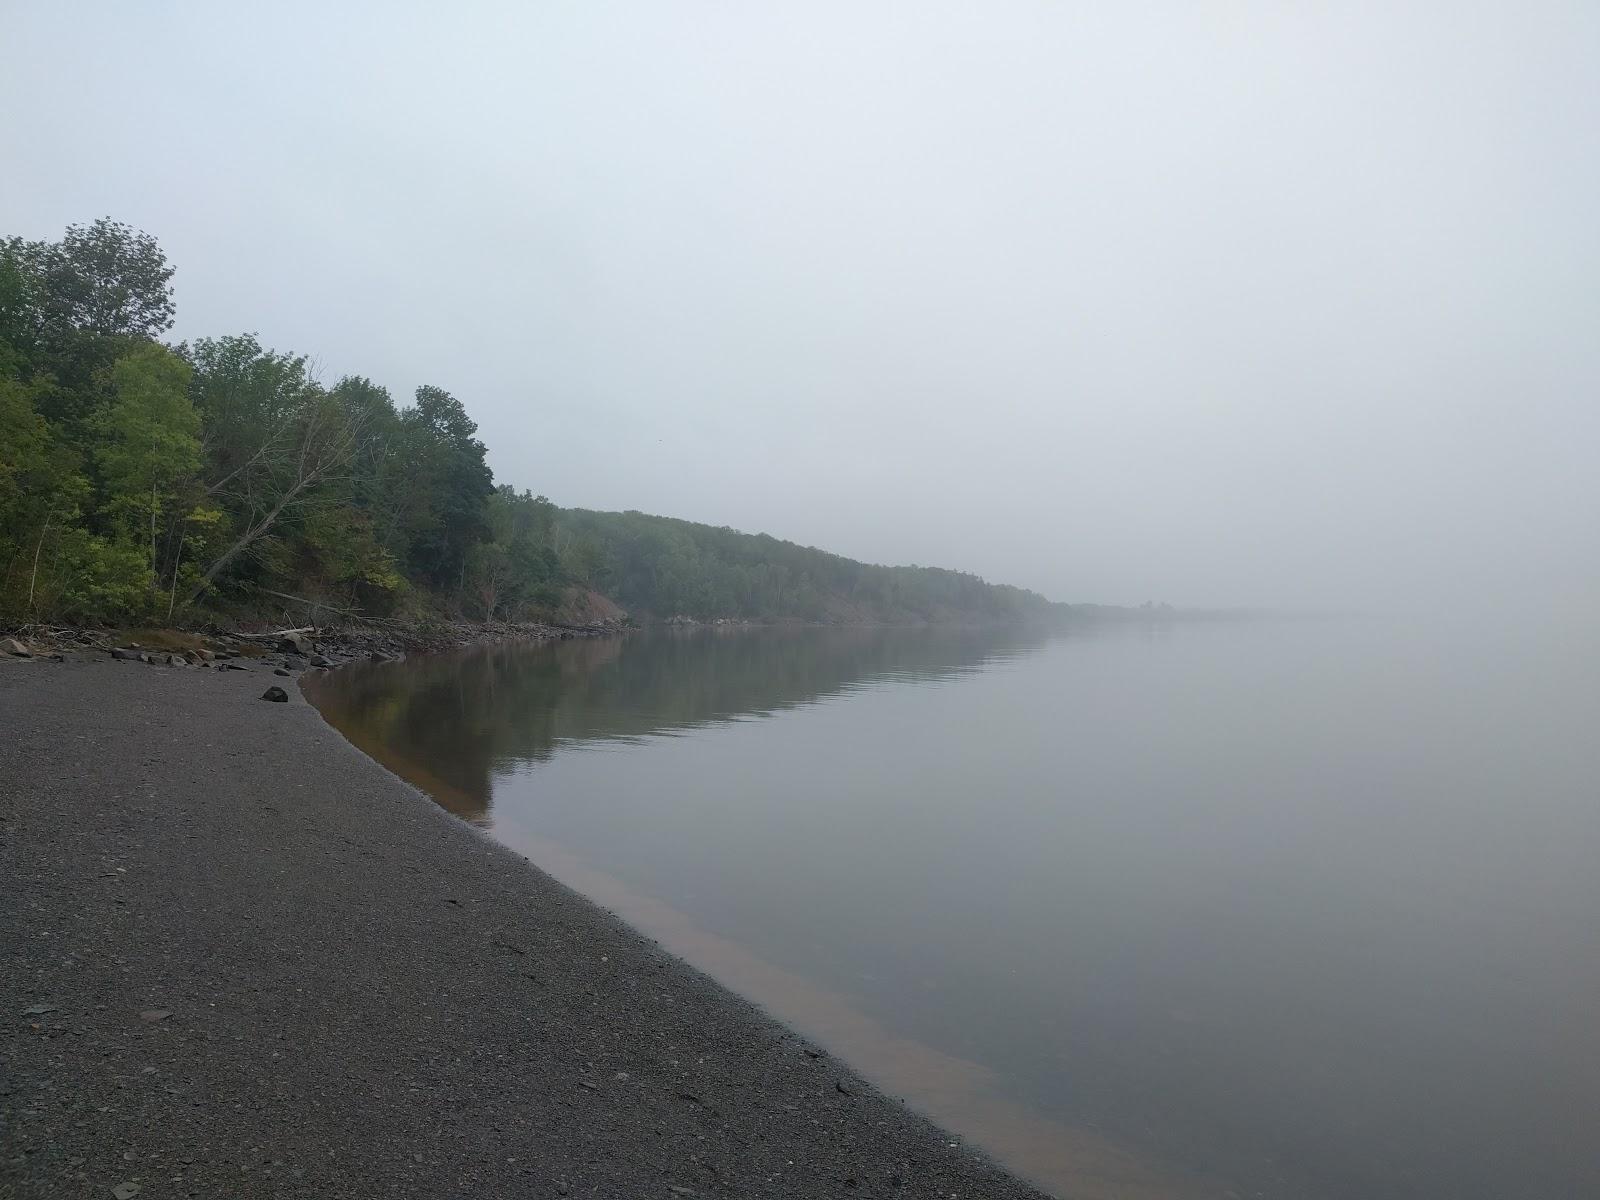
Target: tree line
665	566
146	480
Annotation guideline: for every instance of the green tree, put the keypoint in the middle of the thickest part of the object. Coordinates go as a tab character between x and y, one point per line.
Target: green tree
449	484
149	451
70	309
42	492
105	278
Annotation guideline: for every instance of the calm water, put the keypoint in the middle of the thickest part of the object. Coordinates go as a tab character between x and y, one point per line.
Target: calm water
1288	910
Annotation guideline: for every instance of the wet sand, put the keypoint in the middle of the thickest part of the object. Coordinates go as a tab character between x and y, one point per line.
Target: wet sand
241	958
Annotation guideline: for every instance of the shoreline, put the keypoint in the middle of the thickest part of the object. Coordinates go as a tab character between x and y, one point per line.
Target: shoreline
268	966
297	649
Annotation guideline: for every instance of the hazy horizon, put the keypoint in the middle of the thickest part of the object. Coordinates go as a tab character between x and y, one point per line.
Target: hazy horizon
1242	306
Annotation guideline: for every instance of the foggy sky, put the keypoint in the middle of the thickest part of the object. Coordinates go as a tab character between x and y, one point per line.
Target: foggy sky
1232	303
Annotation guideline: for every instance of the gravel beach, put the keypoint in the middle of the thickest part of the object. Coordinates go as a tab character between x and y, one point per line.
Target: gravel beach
241	959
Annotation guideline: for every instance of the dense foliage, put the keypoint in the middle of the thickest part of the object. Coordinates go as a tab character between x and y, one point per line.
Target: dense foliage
669	567
143	480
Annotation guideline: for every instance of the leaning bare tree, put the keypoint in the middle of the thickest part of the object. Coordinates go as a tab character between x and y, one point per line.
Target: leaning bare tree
311	447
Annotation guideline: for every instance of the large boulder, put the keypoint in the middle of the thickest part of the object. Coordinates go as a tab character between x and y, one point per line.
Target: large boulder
12	646
295	643
276	694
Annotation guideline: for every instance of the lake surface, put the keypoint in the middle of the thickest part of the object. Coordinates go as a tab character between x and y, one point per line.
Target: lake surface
1299	909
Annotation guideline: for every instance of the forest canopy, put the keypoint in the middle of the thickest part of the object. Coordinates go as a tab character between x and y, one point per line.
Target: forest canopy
146	480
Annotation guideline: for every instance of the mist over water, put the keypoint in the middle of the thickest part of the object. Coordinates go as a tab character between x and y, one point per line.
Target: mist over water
1267	307
1255	304
1297	909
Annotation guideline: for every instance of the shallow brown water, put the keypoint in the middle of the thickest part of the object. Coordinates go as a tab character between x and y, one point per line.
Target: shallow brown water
1282	910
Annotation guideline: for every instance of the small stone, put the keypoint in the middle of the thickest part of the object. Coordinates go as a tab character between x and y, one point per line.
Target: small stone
34	1010
155	1014
125	655
322	660
176	660
276	694
126	1191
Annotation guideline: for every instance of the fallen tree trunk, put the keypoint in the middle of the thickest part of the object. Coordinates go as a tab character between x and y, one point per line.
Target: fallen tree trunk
280	633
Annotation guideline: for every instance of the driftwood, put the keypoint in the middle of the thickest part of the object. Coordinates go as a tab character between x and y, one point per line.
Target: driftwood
267	637
313	605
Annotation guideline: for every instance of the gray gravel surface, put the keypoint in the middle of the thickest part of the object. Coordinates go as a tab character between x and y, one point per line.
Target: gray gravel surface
238	958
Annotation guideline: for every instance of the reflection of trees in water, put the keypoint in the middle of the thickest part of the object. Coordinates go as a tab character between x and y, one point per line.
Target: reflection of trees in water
446	721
